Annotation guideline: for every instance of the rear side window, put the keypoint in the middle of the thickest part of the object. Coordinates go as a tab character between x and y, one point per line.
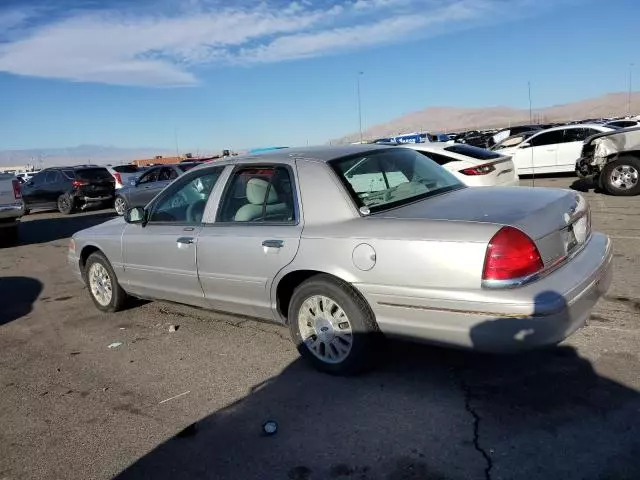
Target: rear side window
69	174
548	138
126	169
473	152
52	176
93	174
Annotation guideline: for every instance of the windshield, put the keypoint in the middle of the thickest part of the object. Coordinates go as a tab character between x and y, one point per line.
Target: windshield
512	141
384	179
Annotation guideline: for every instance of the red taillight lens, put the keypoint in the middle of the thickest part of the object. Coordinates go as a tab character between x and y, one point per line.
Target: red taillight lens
118	178
479	170
79	183
17	189
511	254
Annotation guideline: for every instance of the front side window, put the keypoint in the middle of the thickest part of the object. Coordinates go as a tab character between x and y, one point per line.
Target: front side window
259	194
39	178
387	178
185	201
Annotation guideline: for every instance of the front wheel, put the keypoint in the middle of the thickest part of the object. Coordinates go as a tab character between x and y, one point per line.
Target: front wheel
622	176
120	205
333	327
105	291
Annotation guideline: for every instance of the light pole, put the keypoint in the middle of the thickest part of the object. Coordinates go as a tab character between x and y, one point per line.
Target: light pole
360	106
631	65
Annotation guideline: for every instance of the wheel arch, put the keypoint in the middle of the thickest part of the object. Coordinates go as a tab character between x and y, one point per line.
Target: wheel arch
286	285
86	251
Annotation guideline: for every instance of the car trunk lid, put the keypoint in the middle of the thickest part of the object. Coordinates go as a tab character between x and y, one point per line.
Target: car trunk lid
557	220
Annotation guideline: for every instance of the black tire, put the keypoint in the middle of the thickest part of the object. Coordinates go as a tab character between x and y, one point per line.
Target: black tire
118	295
66	204
626	163
366	337
118	199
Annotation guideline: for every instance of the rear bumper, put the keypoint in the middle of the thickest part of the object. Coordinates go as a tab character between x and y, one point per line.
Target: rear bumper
11	211
540	314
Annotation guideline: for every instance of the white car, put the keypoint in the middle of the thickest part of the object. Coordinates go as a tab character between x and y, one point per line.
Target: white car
555	150
474	166
123	174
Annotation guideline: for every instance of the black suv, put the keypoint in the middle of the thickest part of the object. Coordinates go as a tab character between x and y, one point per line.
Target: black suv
69	188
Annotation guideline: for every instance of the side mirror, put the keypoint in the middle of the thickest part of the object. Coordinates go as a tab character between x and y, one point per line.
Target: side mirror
136	215
525	145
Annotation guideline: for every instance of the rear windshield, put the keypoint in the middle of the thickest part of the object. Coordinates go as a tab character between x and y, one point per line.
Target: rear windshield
93	174
383	179
473	152
186	166
126	169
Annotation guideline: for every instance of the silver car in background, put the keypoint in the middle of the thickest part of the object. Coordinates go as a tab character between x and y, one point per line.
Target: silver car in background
147	185
346	244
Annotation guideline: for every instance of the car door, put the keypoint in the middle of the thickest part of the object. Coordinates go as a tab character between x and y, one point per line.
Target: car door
33	193
570	149
160	255
254	234
53	187
145	188
539	153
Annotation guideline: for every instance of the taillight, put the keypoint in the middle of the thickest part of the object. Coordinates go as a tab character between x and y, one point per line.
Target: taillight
479	170
510	255
118	178
79	183
17	189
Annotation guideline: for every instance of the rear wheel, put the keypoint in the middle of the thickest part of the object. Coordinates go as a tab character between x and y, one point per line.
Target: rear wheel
622	176
333	327
66	204
105	291
120	205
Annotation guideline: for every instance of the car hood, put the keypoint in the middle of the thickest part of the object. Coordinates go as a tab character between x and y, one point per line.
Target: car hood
536	211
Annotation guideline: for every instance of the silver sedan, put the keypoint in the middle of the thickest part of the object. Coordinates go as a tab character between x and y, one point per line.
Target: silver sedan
348	244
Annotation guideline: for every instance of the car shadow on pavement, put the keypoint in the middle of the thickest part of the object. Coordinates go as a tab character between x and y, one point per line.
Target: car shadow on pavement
427	413
42	230
17	295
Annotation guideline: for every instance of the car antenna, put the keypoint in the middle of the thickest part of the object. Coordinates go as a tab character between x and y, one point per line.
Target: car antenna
533	168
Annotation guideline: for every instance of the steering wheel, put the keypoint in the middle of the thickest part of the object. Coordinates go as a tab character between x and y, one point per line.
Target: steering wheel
195	211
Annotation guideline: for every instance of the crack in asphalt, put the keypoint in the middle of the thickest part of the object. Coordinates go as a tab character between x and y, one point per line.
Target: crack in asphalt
476	430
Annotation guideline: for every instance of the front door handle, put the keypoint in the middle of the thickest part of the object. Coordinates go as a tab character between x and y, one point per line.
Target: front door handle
185	240
273	244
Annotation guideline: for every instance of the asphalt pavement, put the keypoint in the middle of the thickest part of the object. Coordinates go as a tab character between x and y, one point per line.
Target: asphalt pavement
191	403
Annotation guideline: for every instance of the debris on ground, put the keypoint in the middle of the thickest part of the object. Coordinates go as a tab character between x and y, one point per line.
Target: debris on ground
173	328
270	427
174	397
114	345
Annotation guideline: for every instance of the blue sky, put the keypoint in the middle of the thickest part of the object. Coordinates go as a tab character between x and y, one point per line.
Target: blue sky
140	74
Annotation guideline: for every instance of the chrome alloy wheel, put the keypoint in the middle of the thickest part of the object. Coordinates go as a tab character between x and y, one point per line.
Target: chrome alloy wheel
100	284
325	329
624	177
120	205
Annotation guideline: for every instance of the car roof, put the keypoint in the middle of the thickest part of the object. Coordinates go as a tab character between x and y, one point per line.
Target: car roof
324	153
597	126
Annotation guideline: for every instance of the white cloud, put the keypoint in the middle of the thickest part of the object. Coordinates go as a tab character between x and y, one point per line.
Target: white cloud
162	49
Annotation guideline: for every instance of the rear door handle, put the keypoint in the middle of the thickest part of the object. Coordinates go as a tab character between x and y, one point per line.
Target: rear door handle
273	243
185	240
